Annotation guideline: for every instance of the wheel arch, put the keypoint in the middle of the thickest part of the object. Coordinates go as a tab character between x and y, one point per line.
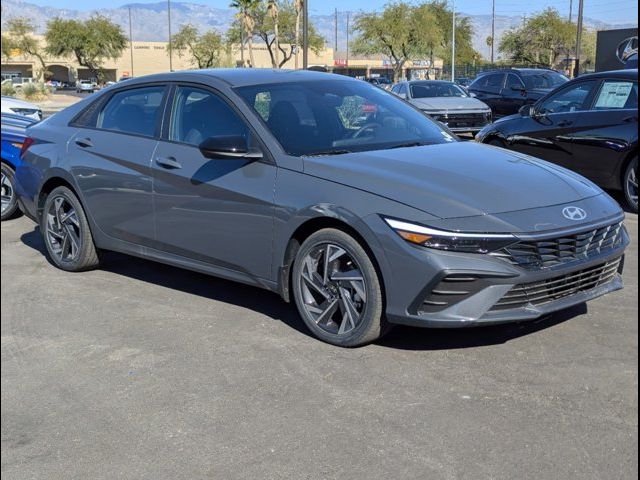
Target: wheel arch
303	231
8	163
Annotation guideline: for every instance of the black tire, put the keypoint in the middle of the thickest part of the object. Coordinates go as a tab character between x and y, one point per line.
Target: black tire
370	324
85	256
630	185
8	189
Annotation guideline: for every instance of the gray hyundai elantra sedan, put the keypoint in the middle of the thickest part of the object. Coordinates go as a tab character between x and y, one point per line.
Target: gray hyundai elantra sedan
327	190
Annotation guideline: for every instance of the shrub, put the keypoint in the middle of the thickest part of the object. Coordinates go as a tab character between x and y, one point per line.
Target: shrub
30	91
8	90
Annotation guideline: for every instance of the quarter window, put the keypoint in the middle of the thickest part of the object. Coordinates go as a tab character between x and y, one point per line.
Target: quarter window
133	111
198	114
617	95
571	99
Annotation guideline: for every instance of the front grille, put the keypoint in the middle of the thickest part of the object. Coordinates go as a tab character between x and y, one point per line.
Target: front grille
537	254
454	120
546	291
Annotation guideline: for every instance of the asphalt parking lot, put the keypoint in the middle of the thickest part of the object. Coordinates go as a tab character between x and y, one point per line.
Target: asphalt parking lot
145	371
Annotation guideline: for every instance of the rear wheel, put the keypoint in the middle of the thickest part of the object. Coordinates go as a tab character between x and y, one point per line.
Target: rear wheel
631	185
66	232
337	290
9	197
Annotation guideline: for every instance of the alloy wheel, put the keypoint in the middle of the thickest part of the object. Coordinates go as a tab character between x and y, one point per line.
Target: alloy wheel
7	193
333	289
632	187
63	230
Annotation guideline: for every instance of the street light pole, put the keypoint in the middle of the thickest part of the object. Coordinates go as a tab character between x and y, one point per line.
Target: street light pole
131	42
305	34
579	37
493	29
453	44
170	40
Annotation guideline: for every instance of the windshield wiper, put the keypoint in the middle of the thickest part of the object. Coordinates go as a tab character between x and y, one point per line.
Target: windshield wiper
327	153
409	145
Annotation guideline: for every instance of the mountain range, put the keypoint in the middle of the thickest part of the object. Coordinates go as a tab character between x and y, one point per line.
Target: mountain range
149	20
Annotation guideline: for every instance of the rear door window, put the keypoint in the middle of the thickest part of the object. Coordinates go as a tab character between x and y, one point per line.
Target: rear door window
490	83
135	111
571	99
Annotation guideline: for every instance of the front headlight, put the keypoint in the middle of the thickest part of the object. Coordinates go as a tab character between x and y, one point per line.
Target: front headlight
452	241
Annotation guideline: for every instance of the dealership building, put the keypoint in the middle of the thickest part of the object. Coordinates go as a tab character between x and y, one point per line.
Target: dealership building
144	58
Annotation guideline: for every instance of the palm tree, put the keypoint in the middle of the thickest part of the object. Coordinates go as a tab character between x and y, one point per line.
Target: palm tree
272	11
245	13
297	5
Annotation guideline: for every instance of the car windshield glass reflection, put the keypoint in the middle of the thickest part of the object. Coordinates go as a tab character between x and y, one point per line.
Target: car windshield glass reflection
432	89
336	116
545	80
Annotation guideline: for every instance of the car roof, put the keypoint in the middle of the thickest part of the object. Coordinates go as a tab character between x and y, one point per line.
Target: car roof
431	81
241	77
625	74
515	69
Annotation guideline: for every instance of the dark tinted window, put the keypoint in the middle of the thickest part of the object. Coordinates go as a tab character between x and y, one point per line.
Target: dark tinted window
570	99
543	79
490	82
513	81
199	114
89	116
617	94
333	116
133	111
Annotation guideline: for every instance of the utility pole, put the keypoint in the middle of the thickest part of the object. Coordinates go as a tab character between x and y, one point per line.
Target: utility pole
305	34
335	25
348	19
242	41
493	28
170	41
453	44
579	37
570	10
131	42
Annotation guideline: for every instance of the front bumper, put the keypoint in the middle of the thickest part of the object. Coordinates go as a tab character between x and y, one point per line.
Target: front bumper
489	285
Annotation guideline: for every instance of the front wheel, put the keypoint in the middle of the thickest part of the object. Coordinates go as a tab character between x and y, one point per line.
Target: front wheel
631	185
9	197
66	232
337	290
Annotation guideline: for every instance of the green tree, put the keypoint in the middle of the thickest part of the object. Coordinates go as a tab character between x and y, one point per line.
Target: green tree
90	42
545	39
7	46
246	10
264	30
206	50
21	34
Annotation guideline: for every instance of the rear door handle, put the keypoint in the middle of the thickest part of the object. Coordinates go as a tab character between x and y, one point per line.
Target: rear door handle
169	163
564	123
84	142
630	119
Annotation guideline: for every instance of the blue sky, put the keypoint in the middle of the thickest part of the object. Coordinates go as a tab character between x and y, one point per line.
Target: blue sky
623	11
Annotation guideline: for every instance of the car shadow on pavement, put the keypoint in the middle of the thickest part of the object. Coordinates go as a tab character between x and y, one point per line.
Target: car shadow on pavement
271	305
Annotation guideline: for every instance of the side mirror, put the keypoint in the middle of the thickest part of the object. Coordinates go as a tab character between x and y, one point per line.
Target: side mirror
472	94
527	111
229	147
402	95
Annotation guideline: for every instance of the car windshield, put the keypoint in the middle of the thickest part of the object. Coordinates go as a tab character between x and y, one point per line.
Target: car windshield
436	89
339	116
546	80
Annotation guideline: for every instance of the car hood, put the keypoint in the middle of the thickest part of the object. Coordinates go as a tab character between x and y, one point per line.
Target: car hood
14	102
460	179
449	103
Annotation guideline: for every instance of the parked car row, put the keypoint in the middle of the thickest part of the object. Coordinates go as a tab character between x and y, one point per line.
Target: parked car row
343	199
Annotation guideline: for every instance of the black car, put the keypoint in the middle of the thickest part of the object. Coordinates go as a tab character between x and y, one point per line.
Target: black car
506	91
589	125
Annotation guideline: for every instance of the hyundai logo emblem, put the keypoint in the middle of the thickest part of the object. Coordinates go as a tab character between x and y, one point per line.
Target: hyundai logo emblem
627	48
574	213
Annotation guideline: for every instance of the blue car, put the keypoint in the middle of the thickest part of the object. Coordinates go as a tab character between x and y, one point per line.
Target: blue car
13	135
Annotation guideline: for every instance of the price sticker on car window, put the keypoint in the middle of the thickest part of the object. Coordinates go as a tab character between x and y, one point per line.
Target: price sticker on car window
614	95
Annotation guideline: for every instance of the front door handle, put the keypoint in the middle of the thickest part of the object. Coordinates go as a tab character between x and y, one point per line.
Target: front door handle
631	119
169	163
84	142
